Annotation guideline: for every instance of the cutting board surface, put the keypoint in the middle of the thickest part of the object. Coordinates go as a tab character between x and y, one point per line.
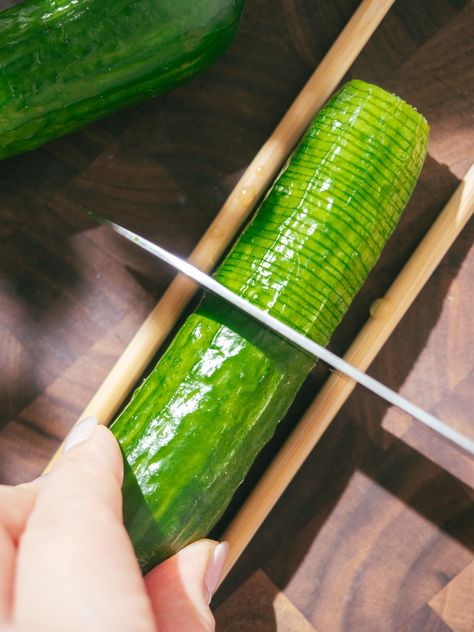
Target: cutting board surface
376	532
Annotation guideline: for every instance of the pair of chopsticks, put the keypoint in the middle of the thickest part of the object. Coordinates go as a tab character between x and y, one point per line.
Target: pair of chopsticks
241	202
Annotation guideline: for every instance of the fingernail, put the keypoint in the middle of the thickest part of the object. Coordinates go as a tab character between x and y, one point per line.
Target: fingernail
215	568
40	480
36	481
80	433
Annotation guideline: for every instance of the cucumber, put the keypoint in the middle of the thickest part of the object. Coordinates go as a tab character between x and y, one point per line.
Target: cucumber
195	425
65	63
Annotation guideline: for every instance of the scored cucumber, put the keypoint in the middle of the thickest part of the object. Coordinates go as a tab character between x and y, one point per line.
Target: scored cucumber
194	427
65	63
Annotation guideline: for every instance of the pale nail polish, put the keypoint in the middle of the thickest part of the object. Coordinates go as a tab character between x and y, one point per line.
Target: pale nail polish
36	481
215	568
80	433
40	480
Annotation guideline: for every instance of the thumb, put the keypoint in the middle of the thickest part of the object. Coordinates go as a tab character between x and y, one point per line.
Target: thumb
75	558
181	588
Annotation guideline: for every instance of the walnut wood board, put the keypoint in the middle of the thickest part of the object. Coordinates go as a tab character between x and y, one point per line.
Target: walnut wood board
376	532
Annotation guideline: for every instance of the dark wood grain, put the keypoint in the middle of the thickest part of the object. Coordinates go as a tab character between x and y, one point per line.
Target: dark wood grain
376	531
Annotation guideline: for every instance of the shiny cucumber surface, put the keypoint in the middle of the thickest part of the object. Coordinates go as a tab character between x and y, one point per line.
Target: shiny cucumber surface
65	63
194	427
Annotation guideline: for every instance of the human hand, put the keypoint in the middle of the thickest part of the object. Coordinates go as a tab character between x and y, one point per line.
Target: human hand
66	562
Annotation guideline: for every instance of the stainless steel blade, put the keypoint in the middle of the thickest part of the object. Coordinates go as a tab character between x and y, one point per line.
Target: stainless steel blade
299	340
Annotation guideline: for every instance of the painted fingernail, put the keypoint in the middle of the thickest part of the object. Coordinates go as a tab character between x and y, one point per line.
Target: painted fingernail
40	480
80	433
36	481
215	568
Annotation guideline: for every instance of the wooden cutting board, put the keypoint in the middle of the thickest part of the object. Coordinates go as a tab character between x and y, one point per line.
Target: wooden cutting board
376	533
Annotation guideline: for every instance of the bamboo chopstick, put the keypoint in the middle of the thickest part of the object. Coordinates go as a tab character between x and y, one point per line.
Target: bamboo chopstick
242	200
386	313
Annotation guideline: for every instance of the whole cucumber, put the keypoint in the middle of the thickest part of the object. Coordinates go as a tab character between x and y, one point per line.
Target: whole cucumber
194	427
65	63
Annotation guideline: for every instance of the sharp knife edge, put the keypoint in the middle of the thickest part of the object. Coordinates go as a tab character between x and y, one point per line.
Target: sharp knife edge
299	340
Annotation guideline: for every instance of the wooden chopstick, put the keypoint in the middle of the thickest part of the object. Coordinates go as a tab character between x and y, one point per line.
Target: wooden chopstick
386	313
240	203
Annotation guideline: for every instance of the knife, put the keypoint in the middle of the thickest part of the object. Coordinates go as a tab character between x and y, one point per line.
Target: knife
299	340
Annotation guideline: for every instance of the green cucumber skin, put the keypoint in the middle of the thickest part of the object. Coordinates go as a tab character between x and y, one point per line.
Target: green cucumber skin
65	63
187	445
195	425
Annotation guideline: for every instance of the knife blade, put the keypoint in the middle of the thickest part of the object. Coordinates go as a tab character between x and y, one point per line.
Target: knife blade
291	335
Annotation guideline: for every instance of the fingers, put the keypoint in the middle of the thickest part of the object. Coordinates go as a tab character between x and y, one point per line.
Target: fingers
181	588
76	568
15	506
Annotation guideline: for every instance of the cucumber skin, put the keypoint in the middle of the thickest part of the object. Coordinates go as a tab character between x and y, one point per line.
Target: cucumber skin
66	63
194	427
176	497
